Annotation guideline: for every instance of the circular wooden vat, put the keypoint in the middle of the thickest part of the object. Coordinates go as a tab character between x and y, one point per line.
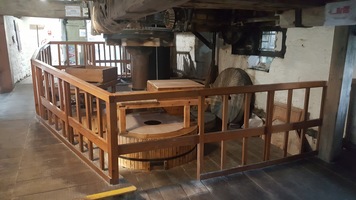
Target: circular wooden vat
154	126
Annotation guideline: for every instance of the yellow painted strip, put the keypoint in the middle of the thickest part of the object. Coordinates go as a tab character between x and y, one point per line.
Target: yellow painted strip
112	193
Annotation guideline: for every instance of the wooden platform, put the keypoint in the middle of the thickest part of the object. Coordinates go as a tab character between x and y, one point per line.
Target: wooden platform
32	169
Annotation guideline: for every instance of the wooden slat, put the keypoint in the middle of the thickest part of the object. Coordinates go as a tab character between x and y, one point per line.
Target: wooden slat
88	103
122	120
224	124
112	138
186	116
67	52
79	116
201	123
35	87
323	97
54	101
304	130
269	118
68	112
288	113
100	131
47	96
246	126
61	105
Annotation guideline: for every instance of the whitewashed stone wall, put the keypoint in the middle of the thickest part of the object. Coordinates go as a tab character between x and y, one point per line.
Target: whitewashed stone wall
20	59
307	59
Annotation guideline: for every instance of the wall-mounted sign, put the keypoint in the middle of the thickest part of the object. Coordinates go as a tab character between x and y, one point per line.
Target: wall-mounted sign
340	13
82	33
73	11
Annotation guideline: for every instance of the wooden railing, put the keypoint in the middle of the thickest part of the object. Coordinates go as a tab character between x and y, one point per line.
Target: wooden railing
69	107
71	54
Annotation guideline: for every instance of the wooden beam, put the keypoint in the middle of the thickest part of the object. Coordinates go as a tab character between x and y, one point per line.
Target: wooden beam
37	8
310	17
262	5
128	9
337	97
6	83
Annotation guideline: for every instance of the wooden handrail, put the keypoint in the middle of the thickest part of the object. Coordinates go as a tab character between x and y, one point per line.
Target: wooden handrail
55	106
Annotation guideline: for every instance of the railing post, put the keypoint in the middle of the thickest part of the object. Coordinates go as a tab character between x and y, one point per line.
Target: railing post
224	124
268	132
112	141
247	112
35	87
68	112
200	156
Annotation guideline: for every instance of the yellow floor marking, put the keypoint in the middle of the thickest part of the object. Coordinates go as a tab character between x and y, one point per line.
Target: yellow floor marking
112	193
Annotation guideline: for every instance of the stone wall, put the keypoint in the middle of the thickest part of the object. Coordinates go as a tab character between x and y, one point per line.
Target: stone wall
22	45
307	59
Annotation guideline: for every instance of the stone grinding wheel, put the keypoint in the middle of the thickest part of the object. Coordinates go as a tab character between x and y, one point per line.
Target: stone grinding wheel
228	78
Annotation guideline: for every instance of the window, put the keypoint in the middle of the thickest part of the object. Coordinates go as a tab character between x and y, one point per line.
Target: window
272	44
268	43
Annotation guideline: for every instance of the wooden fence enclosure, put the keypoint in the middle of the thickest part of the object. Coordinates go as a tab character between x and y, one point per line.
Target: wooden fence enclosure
85	117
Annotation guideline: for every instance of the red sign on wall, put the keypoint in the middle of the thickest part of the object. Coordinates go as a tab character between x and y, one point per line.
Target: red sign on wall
340	13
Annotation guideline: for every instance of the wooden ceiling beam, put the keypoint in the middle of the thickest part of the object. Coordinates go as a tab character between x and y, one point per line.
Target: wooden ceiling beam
37	8
130	10
260	5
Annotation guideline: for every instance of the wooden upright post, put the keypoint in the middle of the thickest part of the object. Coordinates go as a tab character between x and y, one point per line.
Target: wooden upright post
6	83
337	97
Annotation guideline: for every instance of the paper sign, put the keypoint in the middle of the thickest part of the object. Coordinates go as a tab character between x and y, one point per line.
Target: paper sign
73	11
340	13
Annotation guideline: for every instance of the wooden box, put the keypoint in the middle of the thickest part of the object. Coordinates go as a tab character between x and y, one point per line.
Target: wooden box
172	84
95	74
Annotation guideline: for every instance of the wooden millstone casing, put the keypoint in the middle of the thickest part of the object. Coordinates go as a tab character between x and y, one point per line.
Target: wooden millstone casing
138	131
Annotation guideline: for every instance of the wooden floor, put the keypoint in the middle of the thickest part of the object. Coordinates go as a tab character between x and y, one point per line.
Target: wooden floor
35	165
